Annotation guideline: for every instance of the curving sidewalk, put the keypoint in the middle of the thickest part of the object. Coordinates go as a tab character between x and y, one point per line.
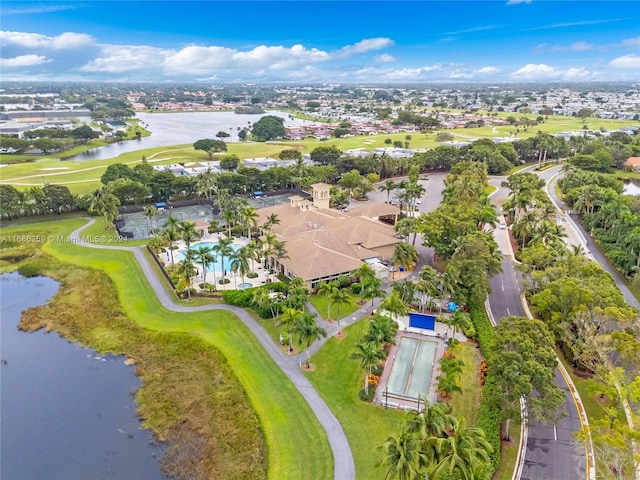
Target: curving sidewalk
344	467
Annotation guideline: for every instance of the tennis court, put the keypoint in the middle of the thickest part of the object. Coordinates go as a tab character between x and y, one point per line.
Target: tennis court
412	367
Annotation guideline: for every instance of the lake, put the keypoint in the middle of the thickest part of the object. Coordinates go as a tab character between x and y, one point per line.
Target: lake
631	188
178	128
67	412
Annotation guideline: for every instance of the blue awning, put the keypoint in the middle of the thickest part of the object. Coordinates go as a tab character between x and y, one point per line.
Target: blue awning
257	194
160	205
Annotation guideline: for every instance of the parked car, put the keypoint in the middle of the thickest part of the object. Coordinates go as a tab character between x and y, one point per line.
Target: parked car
502	225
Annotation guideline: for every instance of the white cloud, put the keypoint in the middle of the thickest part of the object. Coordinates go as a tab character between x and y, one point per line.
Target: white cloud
35	40
23	61
472	30
487	70
124	58
385	58
278	57
574	47
535	72
541	72
366	45
627	61
630	43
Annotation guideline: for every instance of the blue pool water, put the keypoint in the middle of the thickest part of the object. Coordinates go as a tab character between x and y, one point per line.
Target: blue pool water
213	266
244	286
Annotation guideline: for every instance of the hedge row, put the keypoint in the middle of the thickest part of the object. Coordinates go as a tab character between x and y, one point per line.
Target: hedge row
489	413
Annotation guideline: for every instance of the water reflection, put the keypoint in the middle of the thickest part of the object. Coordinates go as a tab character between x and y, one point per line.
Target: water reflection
182	128
66	411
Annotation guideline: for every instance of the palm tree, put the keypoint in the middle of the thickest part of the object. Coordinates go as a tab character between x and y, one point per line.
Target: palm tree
309	332
460	452
172	236
188	232
327	288
290	318
149	213
369	354
394	305
187	270
106	204
404	456
206	183
250	218
224	249
371	289
271	220
364	273
205	256
434	421
228	216
240	263
405	255
172	222
339	297
382	329
388	186
254	248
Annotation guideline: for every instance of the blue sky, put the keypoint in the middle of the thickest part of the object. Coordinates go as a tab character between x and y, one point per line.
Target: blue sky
305	41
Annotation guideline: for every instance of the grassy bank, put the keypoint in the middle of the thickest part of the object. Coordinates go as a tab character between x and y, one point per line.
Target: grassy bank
285	419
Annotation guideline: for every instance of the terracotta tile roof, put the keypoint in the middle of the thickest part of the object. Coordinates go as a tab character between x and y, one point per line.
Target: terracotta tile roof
633	161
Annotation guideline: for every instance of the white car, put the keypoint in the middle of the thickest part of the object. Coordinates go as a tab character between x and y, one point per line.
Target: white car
502	225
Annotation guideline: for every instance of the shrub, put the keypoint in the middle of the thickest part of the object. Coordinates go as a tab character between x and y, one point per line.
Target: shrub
224	281
356	288
252	275
366	397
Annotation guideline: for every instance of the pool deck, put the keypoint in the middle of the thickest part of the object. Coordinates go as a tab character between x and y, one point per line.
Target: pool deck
236	279
438	336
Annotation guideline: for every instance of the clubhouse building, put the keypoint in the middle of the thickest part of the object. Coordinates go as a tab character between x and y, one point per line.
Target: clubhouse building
323	243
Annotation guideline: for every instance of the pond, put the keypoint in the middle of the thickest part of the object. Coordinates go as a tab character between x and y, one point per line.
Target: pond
66	411
631	188
178	128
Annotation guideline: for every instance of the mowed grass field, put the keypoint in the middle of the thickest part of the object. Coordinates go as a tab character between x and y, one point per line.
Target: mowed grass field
84	177
297	445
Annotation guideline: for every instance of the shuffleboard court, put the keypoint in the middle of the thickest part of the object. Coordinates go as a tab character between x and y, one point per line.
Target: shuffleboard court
411	371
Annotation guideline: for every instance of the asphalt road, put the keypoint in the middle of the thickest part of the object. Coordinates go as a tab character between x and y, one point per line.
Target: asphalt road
551	452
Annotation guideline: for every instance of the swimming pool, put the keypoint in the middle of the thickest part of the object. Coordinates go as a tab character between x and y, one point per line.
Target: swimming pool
213	266
412	366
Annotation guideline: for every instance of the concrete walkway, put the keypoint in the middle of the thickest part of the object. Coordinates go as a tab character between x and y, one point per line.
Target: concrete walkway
344	467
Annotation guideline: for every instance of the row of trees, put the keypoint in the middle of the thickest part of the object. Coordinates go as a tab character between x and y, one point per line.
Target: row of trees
585	314
612	219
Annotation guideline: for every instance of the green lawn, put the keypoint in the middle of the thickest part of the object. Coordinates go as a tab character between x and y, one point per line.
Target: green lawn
338	379
287	421
465	404
320	302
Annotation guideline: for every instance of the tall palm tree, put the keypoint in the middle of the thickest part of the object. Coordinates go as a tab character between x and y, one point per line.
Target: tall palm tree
403	456
364	273
224	249
171	235
369	354
172	222
340	296
327	288
206	183
309	331
388	186
105	203
249	218
372	289
272	219
150	213
290	318
240	262
187	270
205	256
382	329
188	232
